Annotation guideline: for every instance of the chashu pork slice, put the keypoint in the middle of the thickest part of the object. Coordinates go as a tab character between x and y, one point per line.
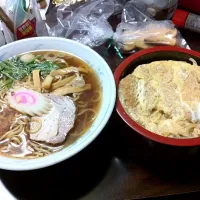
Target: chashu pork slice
58	122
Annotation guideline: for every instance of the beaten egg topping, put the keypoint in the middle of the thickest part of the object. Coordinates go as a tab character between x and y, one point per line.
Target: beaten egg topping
164	97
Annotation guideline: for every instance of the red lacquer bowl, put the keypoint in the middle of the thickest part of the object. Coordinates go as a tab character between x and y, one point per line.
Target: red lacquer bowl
144	57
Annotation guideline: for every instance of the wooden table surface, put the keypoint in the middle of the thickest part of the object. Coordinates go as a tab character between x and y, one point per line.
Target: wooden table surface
119	165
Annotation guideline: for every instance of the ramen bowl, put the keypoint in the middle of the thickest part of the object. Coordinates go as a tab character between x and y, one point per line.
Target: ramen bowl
107	85
145	57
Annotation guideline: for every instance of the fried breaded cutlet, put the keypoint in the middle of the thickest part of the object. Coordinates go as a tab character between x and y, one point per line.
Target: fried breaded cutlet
164	97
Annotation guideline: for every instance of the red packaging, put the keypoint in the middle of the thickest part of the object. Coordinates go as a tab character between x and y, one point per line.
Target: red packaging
27	29
180	17
187	20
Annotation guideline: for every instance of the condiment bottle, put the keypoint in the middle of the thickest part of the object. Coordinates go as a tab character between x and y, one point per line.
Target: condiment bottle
187	20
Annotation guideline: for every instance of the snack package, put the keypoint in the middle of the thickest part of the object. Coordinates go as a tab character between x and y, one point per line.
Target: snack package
138	31
86	23
156	9
26	19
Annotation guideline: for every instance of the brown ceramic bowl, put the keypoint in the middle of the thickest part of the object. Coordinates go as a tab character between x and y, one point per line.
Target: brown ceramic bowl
144	57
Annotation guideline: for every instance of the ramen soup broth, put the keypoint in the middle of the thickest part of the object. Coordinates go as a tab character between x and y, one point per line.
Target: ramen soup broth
15	137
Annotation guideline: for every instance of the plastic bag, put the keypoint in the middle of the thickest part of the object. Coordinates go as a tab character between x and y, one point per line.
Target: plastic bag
119	5
7	33
143	35
156	9
86	24
138	31
28	23
2	37
26	18
131	14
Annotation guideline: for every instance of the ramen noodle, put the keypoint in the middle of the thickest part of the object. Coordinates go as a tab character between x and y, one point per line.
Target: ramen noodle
48	100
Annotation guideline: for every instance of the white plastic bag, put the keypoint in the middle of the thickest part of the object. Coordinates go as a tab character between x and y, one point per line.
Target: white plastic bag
8	35
87	24
119	5
28	23
26	18
2	37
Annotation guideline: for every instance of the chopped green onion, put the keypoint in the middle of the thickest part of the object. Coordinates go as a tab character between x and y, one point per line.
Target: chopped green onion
15	69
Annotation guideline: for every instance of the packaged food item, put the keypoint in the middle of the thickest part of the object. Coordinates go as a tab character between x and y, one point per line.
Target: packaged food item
187	20
156	9
27	20
140	31
143	35
23	19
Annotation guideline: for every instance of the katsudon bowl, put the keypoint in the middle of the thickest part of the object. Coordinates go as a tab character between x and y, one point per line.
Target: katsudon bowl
68	64
146	57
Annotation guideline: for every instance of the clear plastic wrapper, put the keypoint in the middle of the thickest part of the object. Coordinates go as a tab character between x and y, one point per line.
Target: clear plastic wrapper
86	24
132	14
119	5
143	35
139	30
156	9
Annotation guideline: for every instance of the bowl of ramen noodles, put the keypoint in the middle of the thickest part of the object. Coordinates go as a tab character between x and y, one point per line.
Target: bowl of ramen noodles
54	100
159	94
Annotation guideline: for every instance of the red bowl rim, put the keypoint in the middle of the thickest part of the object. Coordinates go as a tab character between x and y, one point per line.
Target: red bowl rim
133	124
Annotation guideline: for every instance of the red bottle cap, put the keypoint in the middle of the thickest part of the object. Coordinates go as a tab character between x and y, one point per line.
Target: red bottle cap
180	17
